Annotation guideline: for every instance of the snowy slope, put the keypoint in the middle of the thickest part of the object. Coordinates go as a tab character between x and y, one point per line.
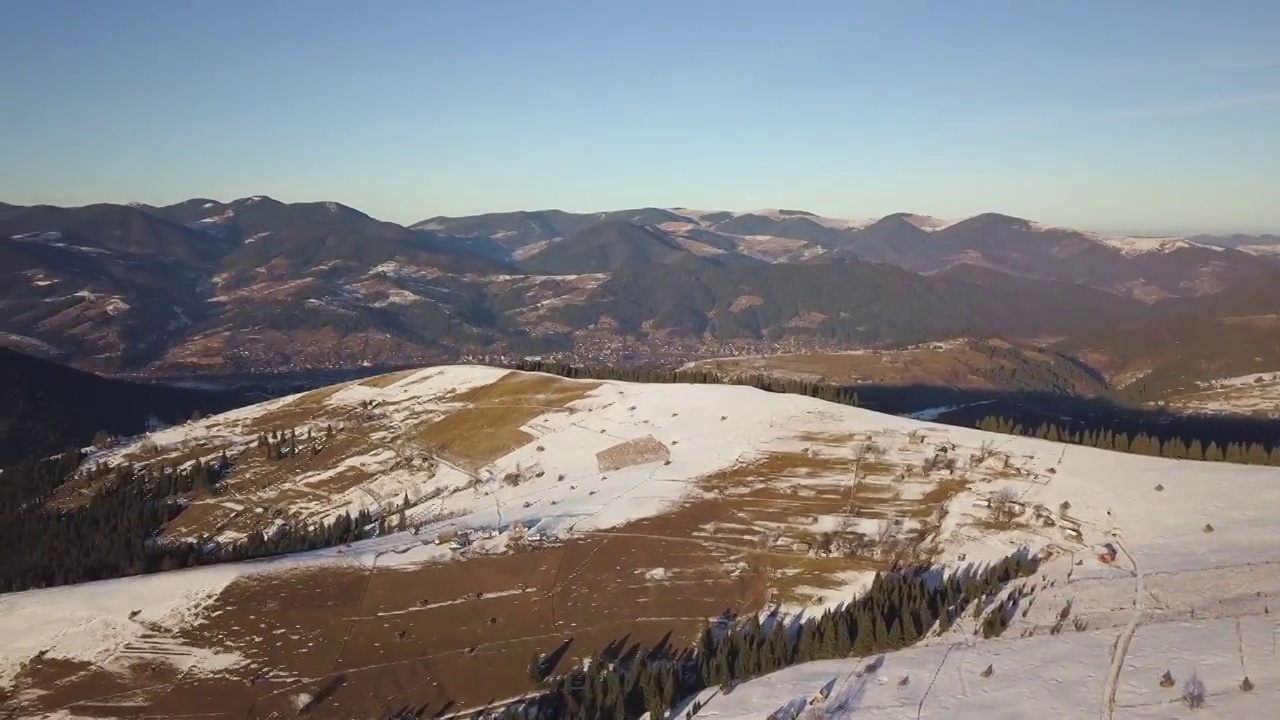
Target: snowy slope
1169	563
1132	245
1195	603
1257	393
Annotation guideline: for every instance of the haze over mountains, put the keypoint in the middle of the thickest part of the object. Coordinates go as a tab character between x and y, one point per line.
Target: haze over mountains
255	285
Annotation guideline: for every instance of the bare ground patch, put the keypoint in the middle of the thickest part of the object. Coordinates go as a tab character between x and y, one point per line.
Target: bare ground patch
778	466
489	426
270	488
459	632
317	398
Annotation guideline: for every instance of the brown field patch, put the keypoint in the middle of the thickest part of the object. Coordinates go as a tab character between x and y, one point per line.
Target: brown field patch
792	577
271	485
843	439
944	491
868	467
199	519
490	426
66	681
476	436
459	632
316	398
777	466
340	482
532	389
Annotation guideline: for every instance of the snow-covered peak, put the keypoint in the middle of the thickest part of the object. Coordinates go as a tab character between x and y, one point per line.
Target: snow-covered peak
928	222
1141	245
1260	249
694	214
831	222
1132	245
781	214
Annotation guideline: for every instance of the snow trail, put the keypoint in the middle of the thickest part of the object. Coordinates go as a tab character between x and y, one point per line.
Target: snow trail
1125	638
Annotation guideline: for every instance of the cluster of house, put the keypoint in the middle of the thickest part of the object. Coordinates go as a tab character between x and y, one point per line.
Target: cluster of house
1071	526
466	537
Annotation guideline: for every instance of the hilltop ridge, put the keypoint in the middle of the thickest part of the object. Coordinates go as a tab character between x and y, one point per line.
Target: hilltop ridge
539	507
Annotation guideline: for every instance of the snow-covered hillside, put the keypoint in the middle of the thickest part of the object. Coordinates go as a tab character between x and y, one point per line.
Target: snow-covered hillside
1256	393
513	461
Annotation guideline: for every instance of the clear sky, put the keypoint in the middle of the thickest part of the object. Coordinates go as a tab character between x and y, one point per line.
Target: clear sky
1159	115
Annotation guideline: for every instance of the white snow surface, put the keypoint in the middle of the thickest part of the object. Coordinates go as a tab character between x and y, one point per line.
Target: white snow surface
1138	245
1260	249
928	222
777	214
1139	626
1169	564
1256	393
51	238
1195	603
91	621
1239	380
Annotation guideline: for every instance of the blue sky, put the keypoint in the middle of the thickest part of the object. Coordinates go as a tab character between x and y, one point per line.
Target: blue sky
1134	116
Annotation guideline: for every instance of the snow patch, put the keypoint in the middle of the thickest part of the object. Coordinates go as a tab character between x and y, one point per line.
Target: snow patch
928	222
1262	250
51	238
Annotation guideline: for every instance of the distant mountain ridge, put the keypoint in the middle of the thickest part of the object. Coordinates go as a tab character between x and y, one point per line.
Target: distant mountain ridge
1146	267
255	285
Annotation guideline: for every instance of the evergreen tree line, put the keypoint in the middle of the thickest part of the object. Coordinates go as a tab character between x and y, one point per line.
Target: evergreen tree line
1122	429
1015	369
823	391
278	444
110	528
1167	444
897	611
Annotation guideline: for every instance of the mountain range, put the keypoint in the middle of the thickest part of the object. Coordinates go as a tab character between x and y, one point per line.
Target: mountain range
259	286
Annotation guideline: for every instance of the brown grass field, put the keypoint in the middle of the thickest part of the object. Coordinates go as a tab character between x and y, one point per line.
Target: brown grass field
489	426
